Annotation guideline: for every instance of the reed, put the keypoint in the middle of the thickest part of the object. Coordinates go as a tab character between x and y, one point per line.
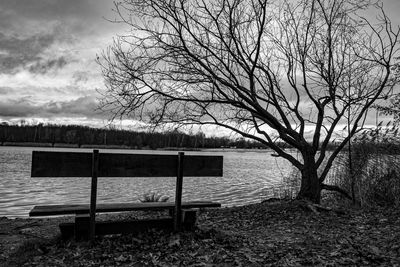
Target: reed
372	176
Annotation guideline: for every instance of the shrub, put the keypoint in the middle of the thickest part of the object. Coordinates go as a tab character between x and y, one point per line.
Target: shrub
153	197
373	175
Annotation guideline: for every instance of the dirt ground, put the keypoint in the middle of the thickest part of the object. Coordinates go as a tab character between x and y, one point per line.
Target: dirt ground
17	234
265	234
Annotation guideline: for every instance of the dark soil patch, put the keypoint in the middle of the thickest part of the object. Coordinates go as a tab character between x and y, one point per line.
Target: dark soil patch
268	234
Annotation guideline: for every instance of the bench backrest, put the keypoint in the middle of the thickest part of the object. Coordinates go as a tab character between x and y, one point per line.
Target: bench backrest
79	164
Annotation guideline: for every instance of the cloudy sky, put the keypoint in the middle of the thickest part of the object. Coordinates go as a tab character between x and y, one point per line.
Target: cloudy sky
47	59
48	48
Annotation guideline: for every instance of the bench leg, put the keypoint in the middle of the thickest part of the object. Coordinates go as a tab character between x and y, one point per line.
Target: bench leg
189	219
171	212
67	231
82	222
79	229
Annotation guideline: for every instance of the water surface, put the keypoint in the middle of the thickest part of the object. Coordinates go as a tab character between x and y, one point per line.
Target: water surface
246	175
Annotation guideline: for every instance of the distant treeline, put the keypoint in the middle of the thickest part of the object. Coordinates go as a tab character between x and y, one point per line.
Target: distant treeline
81	135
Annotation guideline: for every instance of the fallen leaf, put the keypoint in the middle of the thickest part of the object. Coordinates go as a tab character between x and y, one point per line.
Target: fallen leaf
174	241
120	258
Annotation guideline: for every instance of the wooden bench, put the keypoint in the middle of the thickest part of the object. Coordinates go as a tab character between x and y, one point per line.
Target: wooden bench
94	165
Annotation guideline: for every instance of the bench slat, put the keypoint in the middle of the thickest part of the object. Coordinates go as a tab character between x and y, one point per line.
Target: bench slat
49	210
79	164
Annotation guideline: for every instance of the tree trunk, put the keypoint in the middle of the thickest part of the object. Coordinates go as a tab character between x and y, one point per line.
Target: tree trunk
310	188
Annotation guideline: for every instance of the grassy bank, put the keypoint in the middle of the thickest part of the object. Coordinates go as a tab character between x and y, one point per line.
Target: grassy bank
267	234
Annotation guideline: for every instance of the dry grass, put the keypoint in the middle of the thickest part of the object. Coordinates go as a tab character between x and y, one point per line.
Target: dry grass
372	176
153	197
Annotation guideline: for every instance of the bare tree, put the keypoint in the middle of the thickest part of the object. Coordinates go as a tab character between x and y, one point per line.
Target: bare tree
270	71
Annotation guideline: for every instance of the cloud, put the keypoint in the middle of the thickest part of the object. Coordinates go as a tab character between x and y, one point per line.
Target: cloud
29	17
83	106
18	52
47	52
80	77
6	90
53	9
41	35
24	108
18	108
45	66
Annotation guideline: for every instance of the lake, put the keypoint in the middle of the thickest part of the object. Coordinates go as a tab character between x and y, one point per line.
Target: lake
247	175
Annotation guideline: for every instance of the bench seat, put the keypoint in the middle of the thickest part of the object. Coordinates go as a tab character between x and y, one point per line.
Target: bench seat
50	210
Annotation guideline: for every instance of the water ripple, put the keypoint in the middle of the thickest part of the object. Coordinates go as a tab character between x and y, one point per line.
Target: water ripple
245	177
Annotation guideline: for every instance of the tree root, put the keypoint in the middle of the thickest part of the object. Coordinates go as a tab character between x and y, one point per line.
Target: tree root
341	191
317	208
336	189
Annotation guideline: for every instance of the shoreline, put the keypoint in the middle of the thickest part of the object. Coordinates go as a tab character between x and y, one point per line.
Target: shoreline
65	145
124	147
